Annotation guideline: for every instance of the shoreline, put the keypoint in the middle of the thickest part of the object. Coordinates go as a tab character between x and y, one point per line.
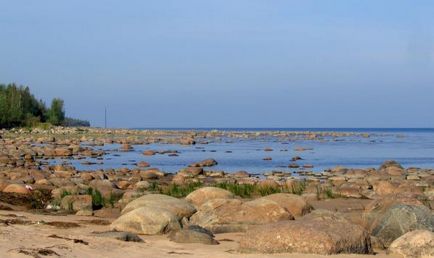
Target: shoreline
220	202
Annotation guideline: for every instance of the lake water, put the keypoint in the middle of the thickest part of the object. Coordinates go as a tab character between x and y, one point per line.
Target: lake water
410	147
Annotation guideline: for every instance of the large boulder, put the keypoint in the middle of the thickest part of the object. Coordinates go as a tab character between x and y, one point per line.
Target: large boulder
178	207
148	221
193	235
16	188
414	244
202	195
232	215
320	232
399	220
295	204
77	203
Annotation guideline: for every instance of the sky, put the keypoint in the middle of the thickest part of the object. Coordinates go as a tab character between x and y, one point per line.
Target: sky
226	63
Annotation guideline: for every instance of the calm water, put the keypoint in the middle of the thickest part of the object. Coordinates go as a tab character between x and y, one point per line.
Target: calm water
410	147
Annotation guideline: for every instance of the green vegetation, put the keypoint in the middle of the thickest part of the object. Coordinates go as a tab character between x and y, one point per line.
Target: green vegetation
298	187
18	107
56	113
242	190
179	191
97	198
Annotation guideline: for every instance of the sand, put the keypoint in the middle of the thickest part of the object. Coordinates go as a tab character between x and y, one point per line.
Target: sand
35	238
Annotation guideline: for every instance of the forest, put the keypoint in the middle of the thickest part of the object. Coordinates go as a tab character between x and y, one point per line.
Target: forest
19	107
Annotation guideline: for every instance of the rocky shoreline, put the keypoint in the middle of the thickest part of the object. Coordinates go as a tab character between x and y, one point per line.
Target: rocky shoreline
340	210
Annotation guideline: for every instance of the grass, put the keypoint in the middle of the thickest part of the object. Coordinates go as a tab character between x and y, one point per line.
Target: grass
298	187
325	193
242	190
178	191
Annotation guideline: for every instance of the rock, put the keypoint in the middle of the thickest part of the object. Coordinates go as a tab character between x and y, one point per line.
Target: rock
143	164
105	187
149	152
204	163
142	185
178	207
394	171
192	236
147	220
187	141
76	203
384	188
151	174
204	194
125	147
414	244
16	188
295	204
390	163
321	232
232	215
122	236
401	219
62	152
241	174
191	171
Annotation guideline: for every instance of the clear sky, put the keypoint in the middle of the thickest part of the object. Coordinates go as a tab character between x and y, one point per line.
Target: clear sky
226	63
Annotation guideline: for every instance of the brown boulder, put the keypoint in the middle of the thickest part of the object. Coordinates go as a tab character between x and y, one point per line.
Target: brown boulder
232	215
295	204
204	194
16	188
321	232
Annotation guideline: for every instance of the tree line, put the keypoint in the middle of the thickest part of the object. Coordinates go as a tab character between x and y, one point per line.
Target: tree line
19	107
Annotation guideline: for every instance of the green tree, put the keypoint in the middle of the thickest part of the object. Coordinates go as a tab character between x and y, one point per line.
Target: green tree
56	114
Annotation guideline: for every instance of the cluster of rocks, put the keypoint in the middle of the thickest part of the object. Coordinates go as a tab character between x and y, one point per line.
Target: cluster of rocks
398	218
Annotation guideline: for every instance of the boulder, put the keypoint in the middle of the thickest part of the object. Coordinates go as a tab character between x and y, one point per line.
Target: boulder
76	202
16	188
180	208
143	164
295	204
105	187
414	244
191	171
148	221
399	220
204	163
232	215
204	194
321	232
191	235
390	163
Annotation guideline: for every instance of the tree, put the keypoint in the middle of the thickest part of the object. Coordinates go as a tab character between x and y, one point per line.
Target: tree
56	114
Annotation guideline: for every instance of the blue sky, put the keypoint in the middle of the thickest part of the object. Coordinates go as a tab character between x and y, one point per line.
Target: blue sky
243	63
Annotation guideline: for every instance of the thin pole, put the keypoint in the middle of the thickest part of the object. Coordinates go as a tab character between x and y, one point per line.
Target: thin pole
105	117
